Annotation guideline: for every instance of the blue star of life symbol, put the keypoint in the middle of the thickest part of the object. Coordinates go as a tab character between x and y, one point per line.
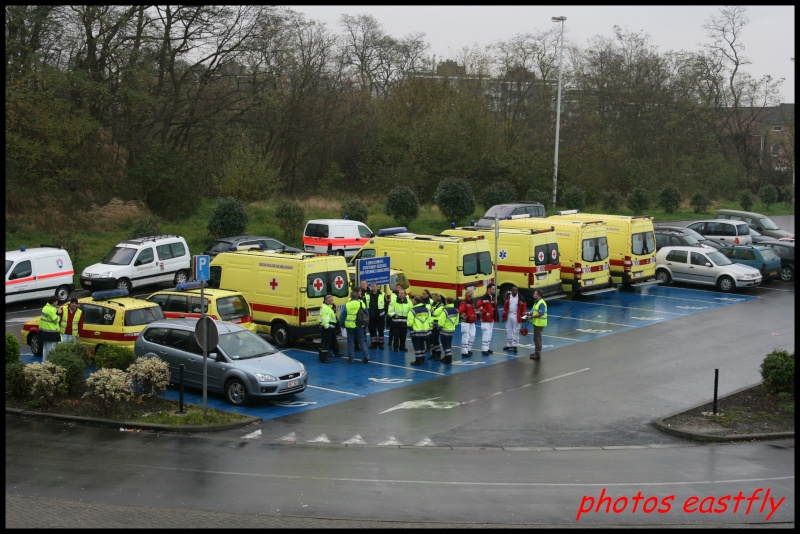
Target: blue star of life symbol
503	254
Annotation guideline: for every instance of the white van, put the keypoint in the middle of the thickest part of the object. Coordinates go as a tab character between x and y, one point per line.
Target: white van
141	261
335	236
38	273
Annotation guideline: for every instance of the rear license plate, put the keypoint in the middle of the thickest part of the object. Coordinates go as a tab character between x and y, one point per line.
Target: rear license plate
541	276
313	313
637	275
293	384
589	282
773	273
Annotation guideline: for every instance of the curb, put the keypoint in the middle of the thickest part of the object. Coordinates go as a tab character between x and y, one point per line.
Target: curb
702	436
131	425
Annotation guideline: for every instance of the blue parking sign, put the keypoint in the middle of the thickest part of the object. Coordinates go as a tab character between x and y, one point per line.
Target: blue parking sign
202	267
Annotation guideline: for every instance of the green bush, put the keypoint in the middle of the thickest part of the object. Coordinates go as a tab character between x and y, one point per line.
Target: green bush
574	199
291	218
611	201
163	178
47	381
639	201
108	388
149	376
669	198
229	217
355	210
146	225
746	201
499	193
12	348
111	357
16	385
402	205
542	197
455	199
72	357
769	195
700	202
777	371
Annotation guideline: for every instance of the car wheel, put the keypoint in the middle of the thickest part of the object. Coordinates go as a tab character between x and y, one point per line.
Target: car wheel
35	343
340	252
236	392
124	283
725	284
181	277
787	273
662	275
280	334
62	293
501	297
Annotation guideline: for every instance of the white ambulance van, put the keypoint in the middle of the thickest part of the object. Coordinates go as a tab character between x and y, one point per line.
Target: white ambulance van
631	245
38	273
335	236
448	265
285	289
526	258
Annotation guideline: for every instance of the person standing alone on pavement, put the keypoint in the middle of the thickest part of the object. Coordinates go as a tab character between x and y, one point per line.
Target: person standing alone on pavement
49	332
514	309
539	321
487	305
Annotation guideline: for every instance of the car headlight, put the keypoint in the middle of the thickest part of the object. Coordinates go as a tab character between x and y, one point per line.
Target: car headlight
264	377
302	368
106	274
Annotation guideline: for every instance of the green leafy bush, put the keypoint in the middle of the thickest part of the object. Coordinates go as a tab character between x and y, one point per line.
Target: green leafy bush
16	385
12	348
146	225
229	217
746	201
498	193
455	199
777	371
111	357
574	198
355	210
669	198
108	388
291	218
72	357
47	382
639	200
402	205
149	376
769	195
611	201
536	195
700	202
163	179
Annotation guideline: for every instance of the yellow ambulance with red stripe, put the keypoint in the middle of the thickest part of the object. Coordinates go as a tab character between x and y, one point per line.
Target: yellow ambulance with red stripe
444	264
285	290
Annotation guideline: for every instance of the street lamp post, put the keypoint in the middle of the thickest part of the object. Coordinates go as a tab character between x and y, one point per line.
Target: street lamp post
558	107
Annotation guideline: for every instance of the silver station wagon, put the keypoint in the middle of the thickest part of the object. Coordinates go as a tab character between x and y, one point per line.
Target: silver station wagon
243	365
710	267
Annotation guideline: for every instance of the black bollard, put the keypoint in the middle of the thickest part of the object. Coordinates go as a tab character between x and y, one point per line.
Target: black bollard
180	404
716	382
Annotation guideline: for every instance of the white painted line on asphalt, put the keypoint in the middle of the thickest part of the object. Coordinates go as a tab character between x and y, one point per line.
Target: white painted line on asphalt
335	391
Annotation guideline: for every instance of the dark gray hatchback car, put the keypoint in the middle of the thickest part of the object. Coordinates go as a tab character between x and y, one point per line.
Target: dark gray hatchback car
242	366
507	211
225	244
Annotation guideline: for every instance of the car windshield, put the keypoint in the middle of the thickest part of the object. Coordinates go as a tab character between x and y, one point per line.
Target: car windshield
244	344
768	224
500	211
120	256
690	241
718	258
693	233
221	246
769	254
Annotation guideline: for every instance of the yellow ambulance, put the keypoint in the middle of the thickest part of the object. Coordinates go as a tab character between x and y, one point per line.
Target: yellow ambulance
526	258
285	289
443	264
631	245
583	247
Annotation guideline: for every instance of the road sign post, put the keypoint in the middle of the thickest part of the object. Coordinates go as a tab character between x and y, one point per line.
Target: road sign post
207	337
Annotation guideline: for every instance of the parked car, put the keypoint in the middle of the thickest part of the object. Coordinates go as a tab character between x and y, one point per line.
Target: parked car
705	267
507	211
109	318
184	301
755	221
785	252
759	238
672	238
723	231
759	257
225	244
688	231
242	366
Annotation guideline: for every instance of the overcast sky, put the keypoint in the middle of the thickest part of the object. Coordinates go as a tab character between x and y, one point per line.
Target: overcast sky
768	37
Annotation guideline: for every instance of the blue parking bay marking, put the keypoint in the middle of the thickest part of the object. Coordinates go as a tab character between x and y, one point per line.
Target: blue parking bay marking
570	322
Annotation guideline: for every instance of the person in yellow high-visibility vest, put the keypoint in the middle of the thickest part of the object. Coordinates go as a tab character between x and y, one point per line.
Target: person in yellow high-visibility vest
71	320
49	334
539	321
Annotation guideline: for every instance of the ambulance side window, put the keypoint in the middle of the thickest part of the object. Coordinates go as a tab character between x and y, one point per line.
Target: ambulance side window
215	276
552	254
470	264
484	263
21	270
541	255
338	291
317	284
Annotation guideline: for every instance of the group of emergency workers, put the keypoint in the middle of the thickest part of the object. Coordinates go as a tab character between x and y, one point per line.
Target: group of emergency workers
59	324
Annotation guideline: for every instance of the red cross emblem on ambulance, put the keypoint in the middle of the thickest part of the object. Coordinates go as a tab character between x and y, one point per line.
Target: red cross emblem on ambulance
430	264
318	285
273	284
338	282
541	256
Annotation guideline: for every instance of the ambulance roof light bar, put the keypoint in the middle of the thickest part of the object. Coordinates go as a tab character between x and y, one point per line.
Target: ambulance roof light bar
567	212
188	285
109	294
392	231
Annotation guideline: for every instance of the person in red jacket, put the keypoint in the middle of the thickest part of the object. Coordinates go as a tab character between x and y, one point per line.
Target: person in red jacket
514	310
487	305
468	318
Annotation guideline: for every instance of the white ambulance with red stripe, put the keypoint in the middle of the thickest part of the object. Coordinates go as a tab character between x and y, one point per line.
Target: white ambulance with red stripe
335	236
39	273
444	264
285	290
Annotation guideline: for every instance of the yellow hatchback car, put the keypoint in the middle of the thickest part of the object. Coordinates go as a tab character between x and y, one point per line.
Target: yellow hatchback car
109	318
184	301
